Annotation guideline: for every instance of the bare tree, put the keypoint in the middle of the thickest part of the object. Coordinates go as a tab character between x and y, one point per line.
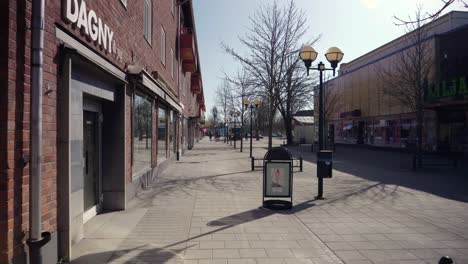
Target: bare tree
429	16
214	117
295	94
271	40
223	95
406	77
241	90
332	99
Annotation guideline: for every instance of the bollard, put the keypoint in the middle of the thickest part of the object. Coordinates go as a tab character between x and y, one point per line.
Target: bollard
253	163
300	164
446	260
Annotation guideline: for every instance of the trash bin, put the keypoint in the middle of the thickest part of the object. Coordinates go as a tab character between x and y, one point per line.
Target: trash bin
324	163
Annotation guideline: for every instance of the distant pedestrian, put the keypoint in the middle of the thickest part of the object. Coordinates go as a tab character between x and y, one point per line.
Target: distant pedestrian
210	135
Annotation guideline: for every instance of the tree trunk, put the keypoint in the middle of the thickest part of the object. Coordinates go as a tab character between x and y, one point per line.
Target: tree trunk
419	132
241	130
270	131
271	117
288	130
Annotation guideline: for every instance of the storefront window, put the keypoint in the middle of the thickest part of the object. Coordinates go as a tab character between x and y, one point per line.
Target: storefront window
408	137
142	139
162	120
172	124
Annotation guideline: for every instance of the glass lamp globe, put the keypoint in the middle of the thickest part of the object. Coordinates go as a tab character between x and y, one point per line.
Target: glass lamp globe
308	54
334	55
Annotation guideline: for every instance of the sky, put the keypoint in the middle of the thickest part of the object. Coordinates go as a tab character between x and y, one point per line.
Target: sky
355	26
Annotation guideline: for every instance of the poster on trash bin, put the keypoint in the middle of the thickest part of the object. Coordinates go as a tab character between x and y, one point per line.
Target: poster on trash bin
277	179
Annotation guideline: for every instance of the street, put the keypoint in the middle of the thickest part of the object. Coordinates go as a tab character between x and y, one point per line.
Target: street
206	208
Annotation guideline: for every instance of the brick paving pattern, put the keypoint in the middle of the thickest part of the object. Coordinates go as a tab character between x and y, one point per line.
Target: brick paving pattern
206	209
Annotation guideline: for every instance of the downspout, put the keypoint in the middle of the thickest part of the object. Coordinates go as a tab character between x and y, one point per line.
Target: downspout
181	115
37	239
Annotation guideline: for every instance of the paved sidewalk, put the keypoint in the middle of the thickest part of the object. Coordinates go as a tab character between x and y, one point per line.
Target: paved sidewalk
205	209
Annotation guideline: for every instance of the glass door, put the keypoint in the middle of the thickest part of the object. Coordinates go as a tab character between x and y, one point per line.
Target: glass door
91	159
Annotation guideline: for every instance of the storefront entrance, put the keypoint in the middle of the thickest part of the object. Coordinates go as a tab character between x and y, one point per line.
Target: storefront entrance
92	161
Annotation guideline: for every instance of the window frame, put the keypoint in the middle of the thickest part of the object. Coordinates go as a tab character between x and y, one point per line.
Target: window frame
172	64
163	46
172	7
161	158
148	21
124	3
137	174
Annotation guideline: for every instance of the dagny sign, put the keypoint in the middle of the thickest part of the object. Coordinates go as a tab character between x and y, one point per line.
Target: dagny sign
89	23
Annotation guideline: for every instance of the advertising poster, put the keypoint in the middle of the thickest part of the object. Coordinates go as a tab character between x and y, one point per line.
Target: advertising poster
277	179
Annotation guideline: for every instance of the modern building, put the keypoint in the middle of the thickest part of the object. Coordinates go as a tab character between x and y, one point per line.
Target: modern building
367	115
122	98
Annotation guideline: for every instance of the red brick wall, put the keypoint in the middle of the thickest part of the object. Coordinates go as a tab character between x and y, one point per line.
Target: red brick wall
14	179
15	74
127	24
5	184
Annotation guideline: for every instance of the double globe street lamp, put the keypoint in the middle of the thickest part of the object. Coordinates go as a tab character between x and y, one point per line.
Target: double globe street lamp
251	104
308	55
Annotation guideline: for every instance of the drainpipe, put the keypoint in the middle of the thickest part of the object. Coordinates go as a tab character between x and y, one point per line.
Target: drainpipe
179	6
37	239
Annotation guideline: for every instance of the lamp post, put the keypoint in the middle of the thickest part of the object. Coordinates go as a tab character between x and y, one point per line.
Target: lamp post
251	104
308	55
234	116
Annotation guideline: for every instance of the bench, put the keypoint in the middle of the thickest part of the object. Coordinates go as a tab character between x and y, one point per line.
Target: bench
435	160
297	163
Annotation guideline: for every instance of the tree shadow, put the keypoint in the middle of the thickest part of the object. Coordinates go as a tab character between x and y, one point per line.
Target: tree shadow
395	168
143	254
186	185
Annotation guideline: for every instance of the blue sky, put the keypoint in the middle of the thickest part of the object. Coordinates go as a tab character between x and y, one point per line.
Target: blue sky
355	26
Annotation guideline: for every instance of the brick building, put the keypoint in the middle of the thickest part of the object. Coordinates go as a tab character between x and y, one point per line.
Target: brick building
122	98
366	115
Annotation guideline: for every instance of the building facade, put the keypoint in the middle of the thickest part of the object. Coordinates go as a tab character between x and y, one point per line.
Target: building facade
122	98
303	127
366	115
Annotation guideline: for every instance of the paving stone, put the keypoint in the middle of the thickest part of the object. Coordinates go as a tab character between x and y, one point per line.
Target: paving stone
226	253
346	255
204	209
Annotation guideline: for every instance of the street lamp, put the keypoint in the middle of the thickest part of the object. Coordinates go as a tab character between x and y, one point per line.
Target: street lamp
251	104
308	55
234	115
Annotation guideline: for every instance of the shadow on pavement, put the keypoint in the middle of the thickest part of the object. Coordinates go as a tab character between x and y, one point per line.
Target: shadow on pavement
256	214
186	185
143	254
394	168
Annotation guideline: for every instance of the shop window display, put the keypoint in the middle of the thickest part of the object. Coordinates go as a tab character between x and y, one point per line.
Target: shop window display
142	136
162	131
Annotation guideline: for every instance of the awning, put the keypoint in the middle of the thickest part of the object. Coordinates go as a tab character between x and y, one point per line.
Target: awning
309	120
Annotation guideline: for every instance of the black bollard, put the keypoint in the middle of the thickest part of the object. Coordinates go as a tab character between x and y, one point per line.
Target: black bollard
446	260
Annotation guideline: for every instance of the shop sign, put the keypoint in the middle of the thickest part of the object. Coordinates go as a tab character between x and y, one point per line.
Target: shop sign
454	88
88	22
